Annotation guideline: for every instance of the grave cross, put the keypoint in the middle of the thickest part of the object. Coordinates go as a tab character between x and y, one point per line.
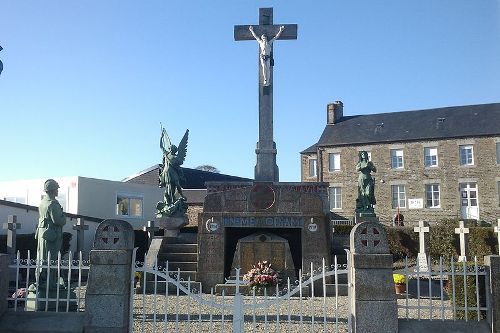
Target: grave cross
80	228
150	229
266	168
421	229
12	225
461	230
497	230
112	236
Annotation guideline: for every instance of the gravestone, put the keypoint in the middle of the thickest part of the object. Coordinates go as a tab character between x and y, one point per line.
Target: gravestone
265	247
12	226
421	257
462	231
373	300
108	297
80	228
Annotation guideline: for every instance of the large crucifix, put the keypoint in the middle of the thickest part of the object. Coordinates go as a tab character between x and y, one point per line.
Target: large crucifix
266	33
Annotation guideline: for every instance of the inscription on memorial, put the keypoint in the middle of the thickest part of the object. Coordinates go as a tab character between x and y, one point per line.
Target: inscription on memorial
264	222
262	197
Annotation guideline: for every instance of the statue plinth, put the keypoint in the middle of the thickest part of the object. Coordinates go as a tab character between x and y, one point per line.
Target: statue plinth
360	217
172	225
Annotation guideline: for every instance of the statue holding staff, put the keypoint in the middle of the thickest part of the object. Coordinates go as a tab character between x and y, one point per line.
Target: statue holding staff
265	47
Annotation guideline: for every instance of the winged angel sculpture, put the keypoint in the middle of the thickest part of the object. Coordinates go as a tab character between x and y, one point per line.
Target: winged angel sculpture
175	203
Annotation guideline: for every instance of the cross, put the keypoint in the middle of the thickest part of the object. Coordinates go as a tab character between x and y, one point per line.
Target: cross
150	229
367	236
108	235
12	225
497	230
461	230
80	228
421	229
266	168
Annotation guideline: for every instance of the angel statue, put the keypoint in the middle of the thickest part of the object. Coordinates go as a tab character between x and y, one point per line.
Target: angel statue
170	176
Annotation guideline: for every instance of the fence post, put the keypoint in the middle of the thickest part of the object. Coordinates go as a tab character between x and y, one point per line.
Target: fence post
373	298
107	300
4	281
492	264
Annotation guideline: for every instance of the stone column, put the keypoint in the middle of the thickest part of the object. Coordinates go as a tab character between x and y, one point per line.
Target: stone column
4	281
492	264
107	301
373	299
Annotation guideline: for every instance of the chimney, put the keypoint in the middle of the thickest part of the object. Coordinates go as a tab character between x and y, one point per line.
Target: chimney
334	111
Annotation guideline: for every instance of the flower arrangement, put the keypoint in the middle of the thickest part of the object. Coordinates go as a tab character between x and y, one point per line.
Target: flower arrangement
399	278
261	276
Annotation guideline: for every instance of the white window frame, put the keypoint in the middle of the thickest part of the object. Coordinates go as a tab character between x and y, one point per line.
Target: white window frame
431	201
397	159
466	154
430	157
398	196
333	162
129	197
312	167
335	197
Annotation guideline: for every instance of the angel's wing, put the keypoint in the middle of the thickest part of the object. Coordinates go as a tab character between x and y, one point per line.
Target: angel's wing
182	149
165	139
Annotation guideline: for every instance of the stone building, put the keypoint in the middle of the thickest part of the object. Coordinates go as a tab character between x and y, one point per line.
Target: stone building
431	164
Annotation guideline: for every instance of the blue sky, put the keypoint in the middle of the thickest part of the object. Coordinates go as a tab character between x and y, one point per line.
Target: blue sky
86	83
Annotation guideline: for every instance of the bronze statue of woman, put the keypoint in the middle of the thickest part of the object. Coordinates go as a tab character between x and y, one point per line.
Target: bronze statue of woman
366	184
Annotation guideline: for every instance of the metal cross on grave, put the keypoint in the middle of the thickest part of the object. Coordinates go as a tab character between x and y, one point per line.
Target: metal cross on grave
370	235
461	231
80	228
266	168
150	229
110	236
497	230
12	225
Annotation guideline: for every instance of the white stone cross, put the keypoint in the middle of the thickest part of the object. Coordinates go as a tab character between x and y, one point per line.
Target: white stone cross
80	228
421	229
497	230
461	230
12	225
422	258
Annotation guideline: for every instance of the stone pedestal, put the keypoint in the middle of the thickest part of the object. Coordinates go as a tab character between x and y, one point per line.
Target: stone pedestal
172	225
108	296
493	268
373	299
365	217
4	280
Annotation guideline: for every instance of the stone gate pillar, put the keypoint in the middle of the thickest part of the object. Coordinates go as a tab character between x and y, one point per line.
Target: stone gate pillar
373	298
107	301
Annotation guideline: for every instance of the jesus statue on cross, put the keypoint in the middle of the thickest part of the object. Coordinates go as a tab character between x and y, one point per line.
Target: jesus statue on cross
265	52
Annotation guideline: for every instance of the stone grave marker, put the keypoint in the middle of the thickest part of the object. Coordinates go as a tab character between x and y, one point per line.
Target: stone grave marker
462	231
373	300
421	257
12	225
80	228
110	278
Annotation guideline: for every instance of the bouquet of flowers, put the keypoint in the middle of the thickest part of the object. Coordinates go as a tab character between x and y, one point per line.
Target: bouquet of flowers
261	276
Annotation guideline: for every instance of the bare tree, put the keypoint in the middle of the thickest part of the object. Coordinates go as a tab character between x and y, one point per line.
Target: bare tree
209	168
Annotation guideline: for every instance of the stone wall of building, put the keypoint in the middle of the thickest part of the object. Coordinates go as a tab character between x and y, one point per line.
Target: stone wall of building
414	175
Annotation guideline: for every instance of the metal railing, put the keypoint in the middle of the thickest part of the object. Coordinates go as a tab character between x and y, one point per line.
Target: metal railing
32	282
445	290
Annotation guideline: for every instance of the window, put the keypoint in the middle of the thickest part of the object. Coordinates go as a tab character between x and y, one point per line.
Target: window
398	196
430	157
335	197
498	152
397	158
432	195
466	155
312	167
369	155
127	205
333	162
